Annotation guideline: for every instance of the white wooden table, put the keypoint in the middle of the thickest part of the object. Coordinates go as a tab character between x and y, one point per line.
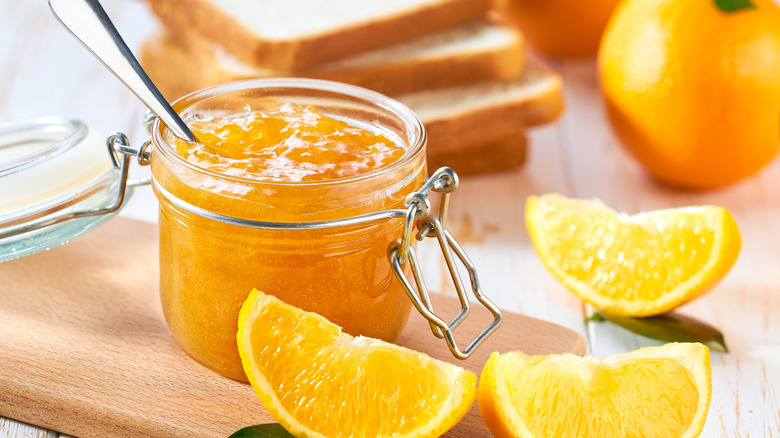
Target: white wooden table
43	71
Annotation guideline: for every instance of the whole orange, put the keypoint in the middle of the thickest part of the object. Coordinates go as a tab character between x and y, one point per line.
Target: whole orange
692	91
570	28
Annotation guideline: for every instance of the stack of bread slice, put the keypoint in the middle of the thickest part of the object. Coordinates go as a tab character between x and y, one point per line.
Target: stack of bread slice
463	73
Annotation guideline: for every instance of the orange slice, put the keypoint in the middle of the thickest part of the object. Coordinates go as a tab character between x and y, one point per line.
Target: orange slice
661	392
638	265
319	382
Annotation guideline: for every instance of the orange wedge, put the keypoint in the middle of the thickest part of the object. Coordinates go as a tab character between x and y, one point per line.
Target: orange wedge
639	265
319	382
660	392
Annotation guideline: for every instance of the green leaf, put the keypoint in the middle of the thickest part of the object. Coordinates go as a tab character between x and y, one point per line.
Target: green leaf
596	316
734	5
669	327
270	430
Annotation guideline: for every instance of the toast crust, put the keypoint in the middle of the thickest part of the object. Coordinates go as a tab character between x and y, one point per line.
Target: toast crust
503	116
408	77
203	17
488	156
200	67
470	128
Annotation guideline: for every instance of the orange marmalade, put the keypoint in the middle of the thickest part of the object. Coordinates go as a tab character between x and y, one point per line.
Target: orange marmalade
291	144
281	163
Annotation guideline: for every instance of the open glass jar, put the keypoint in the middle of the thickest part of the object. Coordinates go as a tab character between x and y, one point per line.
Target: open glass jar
342	247
208	266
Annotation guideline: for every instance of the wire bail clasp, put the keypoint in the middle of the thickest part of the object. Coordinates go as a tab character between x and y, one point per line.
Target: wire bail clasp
401	252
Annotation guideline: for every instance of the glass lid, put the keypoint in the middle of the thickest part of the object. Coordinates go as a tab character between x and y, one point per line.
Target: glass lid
51	169
26	142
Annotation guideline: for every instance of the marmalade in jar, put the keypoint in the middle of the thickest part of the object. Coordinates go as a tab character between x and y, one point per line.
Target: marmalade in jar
292	144
291	164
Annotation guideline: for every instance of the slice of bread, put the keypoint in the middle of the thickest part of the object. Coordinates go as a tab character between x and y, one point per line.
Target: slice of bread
475	114
491	156
296	34
477	51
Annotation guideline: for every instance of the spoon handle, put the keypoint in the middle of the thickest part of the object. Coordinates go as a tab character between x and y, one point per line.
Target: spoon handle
88	22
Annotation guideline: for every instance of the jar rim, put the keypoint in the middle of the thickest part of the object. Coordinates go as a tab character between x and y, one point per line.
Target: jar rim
394	107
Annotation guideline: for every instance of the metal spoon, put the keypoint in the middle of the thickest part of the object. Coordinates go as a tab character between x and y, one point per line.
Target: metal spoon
88	22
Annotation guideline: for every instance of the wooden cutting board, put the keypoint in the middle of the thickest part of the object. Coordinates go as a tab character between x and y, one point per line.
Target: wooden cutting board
84	348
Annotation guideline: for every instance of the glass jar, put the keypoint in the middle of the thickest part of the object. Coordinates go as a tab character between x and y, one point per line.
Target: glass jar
209	266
